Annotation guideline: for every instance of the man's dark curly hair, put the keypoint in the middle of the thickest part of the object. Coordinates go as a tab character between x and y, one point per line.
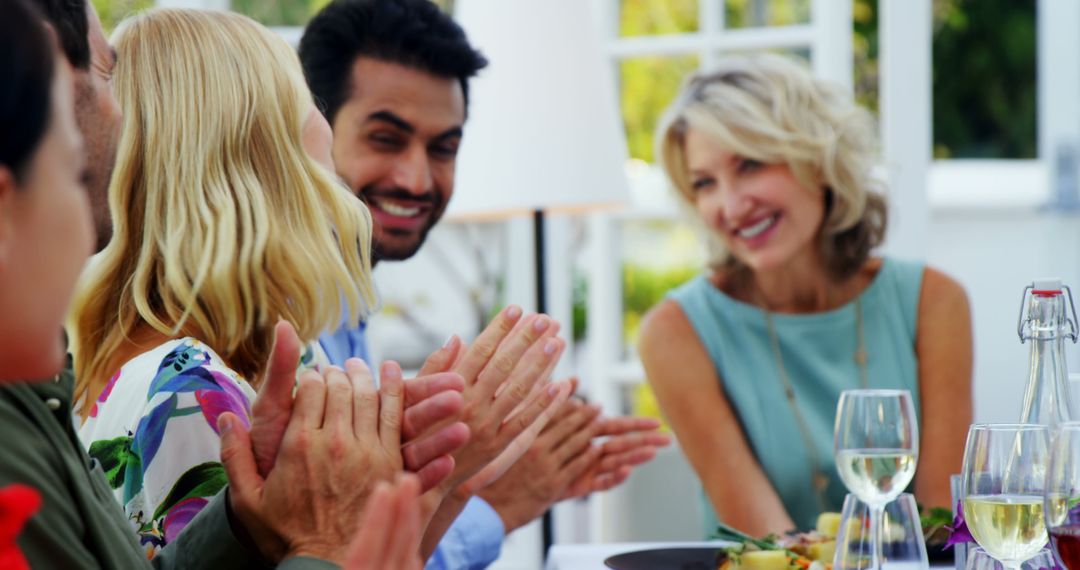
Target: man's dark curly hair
413	33
68	20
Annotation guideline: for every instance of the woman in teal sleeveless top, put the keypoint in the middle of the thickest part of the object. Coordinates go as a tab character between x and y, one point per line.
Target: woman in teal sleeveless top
748	361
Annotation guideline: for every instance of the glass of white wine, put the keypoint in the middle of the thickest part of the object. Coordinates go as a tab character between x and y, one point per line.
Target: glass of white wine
1004	482
876	450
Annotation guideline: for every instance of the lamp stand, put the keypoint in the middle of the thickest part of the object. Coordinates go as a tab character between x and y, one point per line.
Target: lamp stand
548	521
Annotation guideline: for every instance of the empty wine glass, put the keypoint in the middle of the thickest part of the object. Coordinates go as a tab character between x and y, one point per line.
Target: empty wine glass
1004	482
902	545
876	450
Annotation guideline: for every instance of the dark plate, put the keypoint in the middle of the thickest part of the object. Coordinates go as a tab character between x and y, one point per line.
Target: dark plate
686	558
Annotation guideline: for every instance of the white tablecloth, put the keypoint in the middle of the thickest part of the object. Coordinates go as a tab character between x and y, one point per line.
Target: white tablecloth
592	556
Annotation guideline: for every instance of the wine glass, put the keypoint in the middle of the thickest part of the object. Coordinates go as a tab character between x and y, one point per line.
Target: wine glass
978	559
876	449
1004	482
902	546
1063	494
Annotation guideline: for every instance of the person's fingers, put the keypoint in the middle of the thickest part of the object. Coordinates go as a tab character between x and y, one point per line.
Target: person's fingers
405	540
435	472
310	406
445	441
427	385
365	398
443	359
627	424
580	438
504	362
368	548
545	374
632	458
609	481
536	413
273	403
245	484
636	440
581	463
483	348
391	405
276	388
518	433
570	417
339	400
421	417
529	371
551	332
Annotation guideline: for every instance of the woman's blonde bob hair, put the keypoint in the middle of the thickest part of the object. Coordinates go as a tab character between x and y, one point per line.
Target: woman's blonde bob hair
223	223
771	109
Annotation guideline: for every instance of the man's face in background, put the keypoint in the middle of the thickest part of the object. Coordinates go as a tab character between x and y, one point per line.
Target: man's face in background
396	140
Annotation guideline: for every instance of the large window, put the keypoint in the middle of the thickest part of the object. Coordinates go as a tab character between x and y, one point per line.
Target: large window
984	79
654	46
274	13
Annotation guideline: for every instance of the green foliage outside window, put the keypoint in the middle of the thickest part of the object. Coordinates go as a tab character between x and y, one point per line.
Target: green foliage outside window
757	13
984	79
657	17
647	86
643	287
112	12
279	12
268	12
865	53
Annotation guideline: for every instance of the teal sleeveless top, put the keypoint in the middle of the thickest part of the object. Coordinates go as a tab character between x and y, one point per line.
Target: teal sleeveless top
818	354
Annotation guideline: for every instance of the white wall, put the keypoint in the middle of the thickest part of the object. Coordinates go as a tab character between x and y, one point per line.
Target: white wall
994	254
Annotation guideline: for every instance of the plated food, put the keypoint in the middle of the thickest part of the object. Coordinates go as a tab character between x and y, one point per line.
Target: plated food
812	550
816	549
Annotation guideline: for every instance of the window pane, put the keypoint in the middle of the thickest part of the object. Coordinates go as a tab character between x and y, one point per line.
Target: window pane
279	12
657	256
646	86
654	17
112	12
984	79
761	13
864	14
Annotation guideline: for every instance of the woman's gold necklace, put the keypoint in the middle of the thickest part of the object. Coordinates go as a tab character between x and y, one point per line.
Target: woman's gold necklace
818	478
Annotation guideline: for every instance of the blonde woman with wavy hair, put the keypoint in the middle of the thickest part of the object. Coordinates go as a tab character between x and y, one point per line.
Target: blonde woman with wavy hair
748	360
224	224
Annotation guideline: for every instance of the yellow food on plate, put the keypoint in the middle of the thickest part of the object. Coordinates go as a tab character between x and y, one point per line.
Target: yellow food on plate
828	524
764	560
822	551
758	560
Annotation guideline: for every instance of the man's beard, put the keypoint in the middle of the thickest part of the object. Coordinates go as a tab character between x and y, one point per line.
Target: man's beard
388	251
400	247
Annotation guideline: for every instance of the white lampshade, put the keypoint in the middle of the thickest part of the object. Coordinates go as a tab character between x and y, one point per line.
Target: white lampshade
543	129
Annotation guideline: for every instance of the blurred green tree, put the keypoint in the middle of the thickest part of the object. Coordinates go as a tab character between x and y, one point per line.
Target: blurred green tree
112	12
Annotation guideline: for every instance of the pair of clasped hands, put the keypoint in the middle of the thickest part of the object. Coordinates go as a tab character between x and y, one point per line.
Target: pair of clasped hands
320	452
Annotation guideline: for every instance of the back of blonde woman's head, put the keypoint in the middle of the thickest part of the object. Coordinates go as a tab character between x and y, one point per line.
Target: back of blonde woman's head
223	223
772	109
